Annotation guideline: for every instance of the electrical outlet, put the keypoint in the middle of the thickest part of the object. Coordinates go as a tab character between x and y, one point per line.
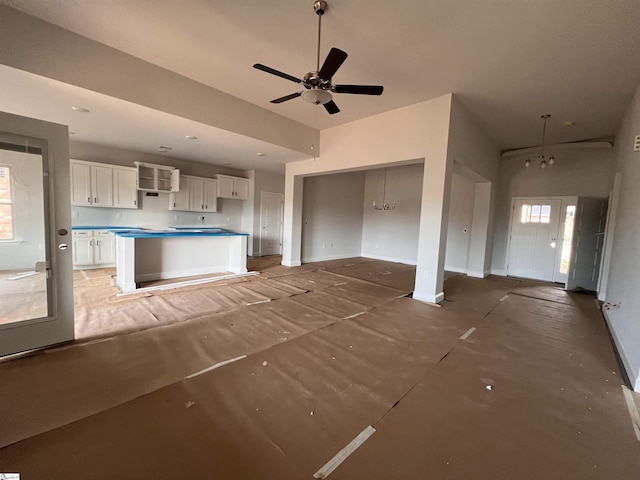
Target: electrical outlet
425	274
76	214
119	215
636	144
176	217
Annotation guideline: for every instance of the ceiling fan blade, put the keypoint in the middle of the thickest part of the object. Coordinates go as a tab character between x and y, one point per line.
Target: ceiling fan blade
331	107
359	89
286	97
332	63
278	73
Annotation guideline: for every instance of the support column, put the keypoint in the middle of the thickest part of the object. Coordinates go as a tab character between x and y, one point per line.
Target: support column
432	238
292	229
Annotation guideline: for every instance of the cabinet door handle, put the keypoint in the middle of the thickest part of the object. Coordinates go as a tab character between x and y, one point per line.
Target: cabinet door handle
91	243
88	199
135	202
95	199
174	204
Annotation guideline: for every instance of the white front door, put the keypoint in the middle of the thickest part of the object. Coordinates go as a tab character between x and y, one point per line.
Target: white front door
271	223
533	239
36	279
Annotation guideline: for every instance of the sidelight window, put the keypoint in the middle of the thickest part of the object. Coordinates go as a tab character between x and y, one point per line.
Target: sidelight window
6	204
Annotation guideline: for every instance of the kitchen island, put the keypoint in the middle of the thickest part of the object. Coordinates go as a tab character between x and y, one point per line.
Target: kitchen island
144	255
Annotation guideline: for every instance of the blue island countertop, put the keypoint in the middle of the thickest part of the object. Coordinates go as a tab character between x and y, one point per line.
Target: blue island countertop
181	232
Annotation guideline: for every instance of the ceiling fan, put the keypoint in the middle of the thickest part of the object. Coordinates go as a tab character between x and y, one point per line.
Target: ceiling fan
318	84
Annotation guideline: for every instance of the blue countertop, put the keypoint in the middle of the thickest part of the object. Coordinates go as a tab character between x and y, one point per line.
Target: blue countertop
102	227
137	232
184	232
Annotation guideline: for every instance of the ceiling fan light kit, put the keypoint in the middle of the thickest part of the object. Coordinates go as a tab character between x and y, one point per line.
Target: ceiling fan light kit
317	84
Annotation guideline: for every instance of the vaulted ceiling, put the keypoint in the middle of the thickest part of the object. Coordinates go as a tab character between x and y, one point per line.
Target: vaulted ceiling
509	61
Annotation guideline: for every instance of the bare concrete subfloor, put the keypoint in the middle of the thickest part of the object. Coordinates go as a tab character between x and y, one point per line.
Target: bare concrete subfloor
271	376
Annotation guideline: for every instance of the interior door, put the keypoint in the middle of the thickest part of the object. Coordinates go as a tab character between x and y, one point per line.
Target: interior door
588	241
36	282
271	223
533	238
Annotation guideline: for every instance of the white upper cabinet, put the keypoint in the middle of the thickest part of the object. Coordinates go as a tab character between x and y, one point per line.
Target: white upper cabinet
180	200
125	193
157	178
210	195
233	187
103	185
81	184
196	195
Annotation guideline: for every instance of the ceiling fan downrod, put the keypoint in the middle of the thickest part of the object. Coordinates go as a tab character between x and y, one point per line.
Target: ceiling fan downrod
320	6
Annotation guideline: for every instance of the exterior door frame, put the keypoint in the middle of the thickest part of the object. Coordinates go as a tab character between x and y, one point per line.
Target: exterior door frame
564	202
58	326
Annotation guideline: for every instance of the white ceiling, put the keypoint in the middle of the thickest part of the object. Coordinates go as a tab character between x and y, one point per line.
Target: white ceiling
509	61
117	123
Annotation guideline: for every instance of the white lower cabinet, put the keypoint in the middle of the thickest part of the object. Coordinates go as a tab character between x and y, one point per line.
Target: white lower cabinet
93	249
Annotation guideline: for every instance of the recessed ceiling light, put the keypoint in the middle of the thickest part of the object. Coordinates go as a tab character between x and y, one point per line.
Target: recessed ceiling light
191	137
260	154
226	163
80	109
569	123
164	149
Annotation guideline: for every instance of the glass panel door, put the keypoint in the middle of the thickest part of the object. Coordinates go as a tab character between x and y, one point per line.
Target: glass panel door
24	286
36	289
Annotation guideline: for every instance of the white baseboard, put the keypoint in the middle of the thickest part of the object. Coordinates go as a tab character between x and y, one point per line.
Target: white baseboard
386	259
472	273
291	264
633	372
329	257
165	275
500	272
450	268
423	297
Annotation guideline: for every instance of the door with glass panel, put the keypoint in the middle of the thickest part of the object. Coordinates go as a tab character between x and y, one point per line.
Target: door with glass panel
36	290
533	239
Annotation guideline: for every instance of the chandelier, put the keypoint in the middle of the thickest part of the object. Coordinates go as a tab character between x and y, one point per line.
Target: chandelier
542	158
385	205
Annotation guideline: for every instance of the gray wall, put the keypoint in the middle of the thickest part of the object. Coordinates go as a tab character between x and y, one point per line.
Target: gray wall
624	272
460	223
332	216
393	234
